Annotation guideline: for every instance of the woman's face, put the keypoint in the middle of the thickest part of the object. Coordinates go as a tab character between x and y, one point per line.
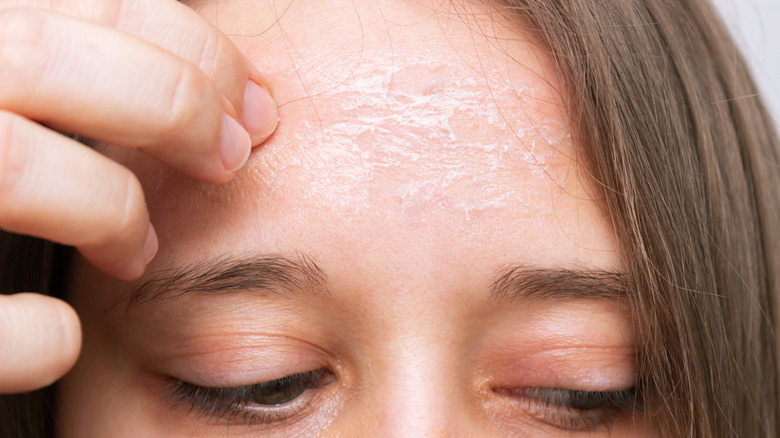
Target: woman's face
416	252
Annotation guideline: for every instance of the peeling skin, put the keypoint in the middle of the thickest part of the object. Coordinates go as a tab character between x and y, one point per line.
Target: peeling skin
387	130
424	122
430	118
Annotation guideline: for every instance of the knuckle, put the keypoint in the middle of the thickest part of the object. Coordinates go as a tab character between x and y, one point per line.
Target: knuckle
25	49
105	12
224	64
209	52
216	55
185	105
14	159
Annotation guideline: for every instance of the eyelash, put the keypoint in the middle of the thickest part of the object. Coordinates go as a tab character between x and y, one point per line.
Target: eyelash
563	408
575	410
238	404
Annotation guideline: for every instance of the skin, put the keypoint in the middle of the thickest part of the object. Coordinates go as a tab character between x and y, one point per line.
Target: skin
411	222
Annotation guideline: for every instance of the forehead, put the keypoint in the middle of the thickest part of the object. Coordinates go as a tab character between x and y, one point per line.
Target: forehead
440	123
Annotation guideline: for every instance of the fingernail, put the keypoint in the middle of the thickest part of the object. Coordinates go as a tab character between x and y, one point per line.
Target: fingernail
234	144
260	115
150	245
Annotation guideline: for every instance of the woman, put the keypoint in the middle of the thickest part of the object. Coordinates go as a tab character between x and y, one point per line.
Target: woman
476	218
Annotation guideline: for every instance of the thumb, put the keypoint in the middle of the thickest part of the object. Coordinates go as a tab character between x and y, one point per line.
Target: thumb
40	339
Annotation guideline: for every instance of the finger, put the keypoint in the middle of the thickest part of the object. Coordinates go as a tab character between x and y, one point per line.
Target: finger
55	188
40	339
163	23
117	89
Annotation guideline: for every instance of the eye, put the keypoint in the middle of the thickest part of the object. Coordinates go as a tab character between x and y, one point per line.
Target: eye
260	403
575	410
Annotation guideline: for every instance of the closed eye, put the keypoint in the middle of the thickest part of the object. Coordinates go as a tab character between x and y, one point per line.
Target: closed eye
261	403
575	410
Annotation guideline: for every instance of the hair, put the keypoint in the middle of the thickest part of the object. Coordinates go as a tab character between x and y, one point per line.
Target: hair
688	165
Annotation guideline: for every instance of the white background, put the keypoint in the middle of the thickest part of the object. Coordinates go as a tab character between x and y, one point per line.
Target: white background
755	24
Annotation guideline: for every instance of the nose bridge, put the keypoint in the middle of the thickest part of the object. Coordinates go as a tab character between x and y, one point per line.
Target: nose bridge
413	386
416	391
417	374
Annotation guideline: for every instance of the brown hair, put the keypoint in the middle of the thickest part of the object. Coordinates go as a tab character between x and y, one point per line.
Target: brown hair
687	161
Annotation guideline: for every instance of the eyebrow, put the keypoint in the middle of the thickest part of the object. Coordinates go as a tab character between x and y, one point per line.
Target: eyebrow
284	275
273	273
516	282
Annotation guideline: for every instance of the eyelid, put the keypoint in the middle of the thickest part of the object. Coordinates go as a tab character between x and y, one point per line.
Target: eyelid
581	345
601	368
232	361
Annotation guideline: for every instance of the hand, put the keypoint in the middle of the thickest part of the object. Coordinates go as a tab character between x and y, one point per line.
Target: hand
145	74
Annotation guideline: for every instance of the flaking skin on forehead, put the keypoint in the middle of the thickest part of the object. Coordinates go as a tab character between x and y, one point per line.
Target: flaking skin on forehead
417	116
436	136
436	117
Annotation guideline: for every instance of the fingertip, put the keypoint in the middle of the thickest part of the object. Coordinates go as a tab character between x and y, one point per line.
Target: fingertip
234	144
260	114
255	75
151	244
125	260
41	341
70	329
127	269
